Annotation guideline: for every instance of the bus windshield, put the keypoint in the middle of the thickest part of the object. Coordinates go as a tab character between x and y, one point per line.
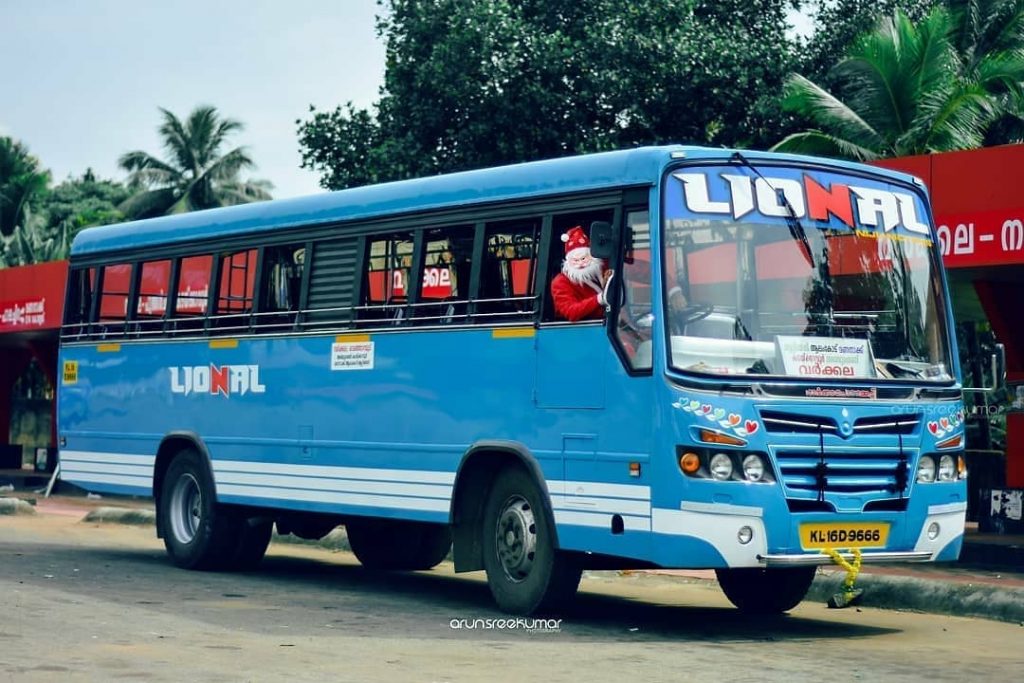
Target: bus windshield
801	273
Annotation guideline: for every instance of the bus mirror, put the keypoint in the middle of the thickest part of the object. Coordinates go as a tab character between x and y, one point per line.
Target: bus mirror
999	367
603	238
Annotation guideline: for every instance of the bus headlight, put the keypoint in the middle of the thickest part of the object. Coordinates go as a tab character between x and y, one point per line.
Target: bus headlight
721	466
753	468
926	469
947	468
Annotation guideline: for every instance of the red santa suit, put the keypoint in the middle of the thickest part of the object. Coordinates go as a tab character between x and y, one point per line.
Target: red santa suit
577	300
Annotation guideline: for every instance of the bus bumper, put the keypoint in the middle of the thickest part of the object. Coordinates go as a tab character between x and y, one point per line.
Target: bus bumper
805	560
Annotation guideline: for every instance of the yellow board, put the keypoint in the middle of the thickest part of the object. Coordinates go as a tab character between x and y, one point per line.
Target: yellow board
513	332
844	535
70	372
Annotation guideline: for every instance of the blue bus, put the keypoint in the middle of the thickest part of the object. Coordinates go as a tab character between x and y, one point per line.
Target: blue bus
771	377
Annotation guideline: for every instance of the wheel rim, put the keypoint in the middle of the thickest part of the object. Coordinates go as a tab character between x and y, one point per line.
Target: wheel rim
515	538
186	509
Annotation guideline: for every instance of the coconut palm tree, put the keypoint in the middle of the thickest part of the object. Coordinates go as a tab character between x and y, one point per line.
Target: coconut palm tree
904	89
989	37
195	175
22	183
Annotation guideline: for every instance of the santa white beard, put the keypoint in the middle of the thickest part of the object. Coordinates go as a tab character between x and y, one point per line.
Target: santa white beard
590	274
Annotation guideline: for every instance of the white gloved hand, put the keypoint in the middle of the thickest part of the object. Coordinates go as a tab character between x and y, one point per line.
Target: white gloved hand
602	297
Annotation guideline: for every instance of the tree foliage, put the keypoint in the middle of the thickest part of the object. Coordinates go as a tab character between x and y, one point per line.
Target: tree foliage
22	184
46	233
908	88
471	83
196	174
839	24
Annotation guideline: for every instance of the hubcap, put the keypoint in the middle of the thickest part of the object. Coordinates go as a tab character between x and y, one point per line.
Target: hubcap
516	538
186	509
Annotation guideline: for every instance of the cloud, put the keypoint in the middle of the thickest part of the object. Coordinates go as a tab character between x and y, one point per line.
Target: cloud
4	130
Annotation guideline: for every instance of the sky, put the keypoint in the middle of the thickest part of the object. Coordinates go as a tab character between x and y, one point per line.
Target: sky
83	82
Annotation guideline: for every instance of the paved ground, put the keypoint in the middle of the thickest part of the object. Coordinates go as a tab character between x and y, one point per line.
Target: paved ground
955	589
86	601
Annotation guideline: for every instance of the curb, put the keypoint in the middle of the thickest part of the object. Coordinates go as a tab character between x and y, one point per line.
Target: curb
114	515
15	506
928	595
336	540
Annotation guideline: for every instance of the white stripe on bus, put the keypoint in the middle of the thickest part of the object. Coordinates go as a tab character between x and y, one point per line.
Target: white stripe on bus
609	505
413	476
593	488
600	520
355	499
83	466
94	478
120	458
332	484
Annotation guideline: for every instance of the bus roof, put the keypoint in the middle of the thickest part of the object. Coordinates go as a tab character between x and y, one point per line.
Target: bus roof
567	175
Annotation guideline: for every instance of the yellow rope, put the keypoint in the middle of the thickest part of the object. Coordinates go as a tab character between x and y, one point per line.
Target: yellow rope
851	569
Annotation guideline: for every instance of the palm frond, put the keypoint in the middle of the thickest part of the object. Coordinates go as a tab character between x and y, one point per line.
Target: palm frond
177	141
148	203
803	96
819	143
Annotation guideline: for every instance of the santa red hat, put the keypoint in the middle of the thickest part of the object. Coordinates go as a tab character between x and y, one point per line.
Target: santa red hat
574	239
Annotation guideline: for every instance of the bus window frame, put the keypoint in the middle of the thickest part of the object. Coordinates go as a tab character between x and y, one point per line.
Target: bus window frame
542	210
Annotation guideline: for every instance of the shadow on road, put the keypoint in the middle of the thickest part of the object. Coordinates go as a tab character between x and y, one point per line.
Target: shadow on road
311	594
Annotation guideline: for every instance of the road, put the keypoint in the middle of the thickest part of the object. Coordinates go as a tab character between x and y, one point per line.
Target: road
85	602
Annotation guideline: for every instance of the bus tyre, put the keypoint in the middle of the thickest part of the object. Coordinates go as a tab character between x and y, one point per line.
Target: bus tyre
765	591
252	542
398	545
525	572
198	533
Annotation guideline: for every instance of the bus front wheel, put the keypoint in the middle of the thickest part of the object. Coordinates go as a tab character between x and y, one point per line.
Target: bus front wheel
765	591
398	545
525	572
198	533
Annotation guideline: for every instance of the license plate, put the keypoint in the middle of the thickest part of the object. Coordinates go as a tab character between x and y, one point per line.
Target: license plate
839	536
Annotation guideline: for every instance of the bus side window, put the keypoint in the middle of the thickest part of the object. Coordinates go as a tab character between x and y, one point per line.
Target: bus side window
444	278
192	295
114	299
635	319
385	285
77	311
556	256
281	286
508	273
233	305
151	302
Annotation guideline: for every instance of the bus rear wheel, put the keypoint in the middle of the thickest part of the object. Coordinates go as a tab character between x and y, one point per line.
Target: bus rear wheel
198	533
398	545
765	591
525	572
253	540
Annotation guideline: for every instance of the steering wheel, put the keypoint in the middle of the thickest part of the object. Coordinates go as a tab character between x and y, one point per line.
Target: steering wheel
690	314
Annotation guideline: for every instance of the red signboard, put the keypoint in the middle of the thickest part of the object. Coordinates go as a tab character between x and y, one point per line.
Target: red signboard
978	202
32	297
982	238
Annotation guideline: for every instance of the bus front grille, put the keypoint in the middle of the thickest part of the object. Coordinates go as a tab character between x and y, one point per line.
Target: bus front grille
843	472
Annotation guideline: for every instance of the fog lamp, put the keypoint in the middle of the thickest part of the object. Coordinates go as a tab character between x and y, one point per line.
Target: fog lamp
947	468
721	466
745	535
933	531
753	468
926	469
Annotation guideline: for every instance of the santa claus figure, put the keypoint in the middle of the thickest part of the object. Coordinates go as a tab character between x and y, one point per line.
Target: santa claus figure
580	290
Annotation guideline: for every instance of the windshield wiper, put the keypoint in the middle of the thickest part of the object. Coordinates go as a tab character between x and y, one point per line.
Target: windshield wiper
796	228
